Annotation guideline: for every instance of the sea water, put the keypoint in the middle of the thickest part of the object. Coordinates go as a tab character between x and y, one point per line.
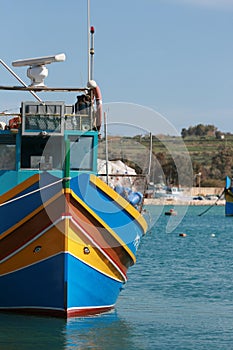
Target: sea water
179	295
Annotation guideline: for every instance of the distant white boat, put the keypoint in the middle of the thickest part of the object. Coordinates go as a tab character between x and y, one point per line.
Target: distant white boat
167	192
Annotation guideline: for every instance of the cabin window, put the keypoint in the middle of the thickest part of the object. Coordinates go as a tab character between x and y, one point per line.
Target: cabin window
41	153
81	152
7	152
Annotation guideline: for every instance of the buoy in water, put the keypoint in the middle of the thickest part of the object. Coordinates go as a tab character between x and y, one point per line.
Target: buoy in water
213	235
182	235
171	212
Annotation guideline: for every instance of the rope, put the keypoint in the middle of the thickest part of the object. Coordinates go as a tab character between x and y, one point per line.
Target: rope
205	211
30	193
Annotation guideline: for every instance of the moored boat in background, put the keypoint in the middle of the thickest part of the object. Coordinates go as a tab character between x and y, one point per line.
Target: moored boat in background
228	191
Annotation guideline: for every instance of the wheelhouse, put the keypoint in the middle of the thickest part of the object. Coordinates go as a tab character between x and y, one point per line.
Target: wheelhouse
48	136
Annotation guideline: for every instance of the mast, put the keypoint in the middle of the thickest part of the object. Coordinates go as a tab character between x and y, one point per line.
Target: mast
150	155
90	41
106	146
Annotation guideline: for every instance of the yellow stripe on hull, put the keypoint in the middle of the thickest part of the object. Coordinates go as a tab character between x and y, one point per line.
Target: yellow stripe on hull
32	214
120	200
103	223
61	238
19	188
84	250
48	243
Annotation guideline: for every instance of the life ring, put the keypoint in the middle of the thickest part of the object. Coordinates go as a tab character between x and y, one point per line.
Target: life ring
98	101
14	123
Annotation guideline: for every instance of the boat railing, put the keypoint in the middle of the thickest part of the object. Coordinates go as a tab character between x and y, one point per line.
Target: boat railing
39	118
132	187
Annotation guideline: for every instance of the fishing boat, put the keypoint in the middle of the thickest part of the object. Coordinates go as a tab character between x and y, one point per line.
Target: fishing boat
228	191
167	192
67	237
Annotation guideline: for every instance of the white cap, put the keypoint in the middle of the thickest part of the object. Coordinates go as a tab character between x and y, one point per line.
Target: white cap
91	84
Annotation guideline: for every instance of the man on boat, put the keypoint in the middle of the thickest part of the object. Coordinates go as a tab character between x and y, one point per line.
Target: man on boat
83	102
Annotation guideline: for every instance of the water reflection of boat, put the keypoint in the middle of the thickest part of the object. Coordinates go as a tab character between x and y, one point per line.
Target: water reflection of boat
74	333
67	238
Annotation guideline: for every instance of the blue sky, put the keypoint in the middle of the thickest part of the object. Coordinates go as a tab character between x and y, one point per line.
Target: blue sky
171	56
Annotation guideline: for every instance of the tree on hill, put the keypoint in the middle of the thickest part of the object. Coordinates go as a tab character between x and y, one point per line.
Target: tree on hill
199	130
222	163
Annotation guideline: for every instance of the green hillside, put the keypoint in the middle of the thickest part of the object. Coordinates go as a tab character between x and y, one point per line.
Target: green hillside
209	155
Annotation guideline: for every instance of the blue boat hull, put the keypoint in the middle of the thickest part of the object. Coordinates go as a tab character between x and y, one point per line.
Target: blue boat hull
62	254
44	289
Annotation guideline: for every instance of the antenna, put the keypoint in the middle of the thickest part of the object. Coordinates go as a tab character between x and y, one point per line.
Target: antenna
88	41
37	71
92	52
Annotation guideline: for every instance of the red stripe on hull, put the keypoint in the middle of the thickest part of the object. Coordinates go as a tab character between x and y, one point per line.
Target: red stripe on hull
100	235
89	311
82	312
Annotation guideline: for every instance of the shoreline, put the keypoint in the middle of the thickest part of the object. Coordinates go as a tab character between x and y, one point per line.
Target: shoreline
205	202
